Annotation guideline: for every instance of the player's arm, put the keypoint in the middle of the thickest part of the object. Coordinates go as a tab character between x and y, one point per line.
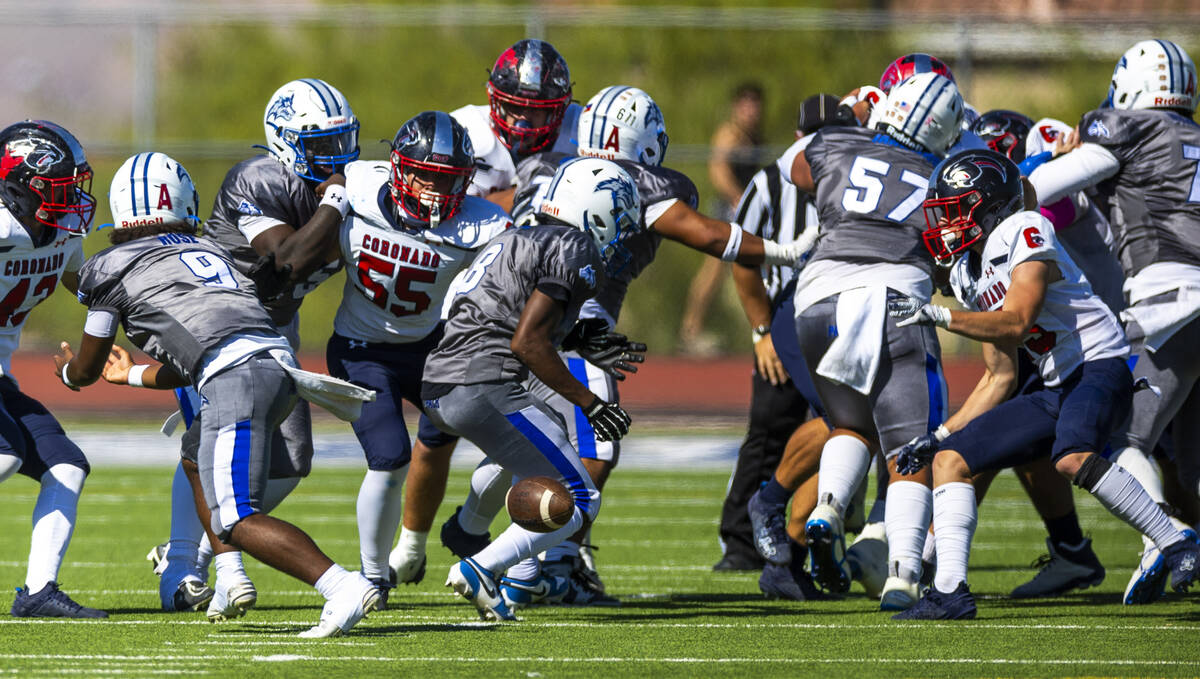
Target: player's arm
801	174
756	304
718	238
1087	165
533	345
84	368
120	369
503	198
994	387
1022	304
70	281
300	252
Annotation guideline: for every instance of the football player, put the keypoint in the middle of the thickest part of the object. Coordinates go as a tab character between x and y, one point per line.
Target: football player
412	229
625	125
267	208
1021	288
181	299
869	185
513	309
1141	153
44	185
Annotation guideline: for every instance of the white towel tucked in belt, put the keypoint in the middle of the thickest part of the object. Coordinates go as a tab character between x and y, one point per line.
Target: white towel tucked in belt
853	357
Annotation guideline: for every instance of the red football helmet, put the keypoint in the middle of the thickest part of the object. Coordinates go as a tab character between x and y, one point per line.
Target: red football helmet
909	65
529	90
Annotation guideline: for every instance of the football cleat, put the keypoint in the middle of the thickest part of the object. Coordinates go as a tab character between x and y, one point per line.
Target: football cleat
770	530
50	602
542	589
935	605
1182	559
733	561
385	586
1149	579
232	601
827	544
345	611
191	595
1062	570
461	543
587	569
899	594
867	558
578	593
406	570
158	558
788	582
477	585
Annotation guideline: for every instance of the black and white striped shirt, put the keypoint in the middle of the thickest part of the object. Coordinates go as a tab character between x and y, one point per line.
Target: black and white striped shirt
773	208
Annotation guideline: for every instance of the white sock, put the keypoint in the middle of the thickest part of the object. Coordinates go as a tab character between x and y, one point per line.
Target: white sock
53	522
844	462
1145	470
332	580
526	569
380	508
230	567
489	486
277	490
9	465
907	518
1122	495
204	557
186	532
567	549
954	519
516	543
929	553
410	547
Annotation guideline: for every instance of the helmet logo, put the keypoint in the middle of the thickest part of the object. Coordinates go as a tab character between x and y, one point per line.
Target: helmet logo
622	192
282	108
1098	129
39	155
961	178
614	141
530	74
588	274
164	198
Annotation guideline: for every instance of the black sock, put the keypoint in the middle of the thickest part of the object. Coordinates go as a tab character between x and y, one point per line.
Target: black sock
1065	530
774	494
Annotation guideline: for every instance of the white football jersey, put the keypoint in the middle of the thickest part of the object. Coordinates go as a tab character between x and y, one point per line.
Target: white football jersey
1074	325
28	275
495	169
396	279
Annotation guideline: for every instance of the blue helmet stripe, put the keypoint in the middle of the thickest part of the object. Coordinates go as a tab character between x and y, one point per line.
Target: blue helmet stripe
146	182
607	102
132	186
443	134
922	64
557	177
332	97
321	94
925	100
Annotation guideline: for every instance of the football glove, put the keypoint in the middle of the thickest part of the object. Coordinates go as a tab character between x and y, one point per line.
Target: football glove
917	453
608	420
587	333
269	282
911	310
611	352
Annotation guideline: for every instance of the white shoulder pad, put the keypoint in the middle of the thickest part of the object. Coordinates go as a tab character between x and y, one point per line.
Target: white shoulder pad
363	179
1044	134
789	156
475	223
476	119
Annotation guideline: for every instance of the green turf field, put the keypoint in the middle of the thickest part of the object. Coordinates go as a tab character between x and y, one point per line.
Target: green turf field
657	538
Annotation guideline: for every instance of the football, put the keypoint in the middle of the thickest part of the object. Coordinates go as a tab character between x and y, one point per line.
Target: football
540	504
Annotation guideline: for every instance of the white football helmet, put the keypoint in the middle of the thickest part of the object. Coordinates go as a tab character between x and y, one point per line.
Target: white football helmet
152	188
623	123
311	129
924	113
1154	74
597	197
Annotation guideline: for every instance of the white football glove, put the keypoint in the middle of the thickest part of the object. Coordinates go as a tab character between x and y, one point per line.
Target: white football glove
911	310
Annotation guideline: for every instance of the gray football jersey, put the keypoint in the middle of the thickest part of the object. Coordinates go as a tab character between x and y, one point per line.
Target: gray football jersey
655	185
869	195
1154	205
177	295
558	260
262	187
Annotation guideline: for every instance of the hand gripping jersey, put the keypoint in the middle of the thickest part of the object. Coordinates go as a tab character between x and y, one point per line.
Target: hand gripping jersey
257	194
1155	195
495	167
28	274
396	278
177	295
1074	325
658	187
560	261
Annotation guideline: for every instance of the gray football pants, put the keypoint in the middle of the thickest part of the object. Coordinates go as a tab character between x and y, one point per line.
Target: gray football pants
242	409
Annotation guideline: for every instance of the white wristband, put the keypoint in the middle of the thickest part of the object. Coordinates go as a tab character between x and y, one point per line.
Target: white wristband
941	433
65	379
734	244
335	197
135	375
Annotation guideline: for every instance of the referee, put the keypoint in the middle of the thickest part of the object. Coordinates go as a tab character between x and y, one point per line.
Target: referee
771	207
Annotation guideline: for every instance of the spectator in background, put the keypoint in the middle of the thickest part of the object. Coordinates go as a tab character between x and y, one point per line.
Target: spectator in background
734	160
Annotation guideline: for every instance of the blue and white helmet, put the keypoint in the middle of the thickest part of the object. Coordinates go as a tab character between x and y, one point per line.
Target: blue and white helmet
623	123
924	113
311	129
1154	74
597	197
152	188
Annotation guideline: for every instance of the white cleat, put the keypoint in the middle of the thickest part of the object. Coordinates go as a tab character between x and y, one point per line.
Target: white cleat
231	602
899	594
827	548
343	612
867	558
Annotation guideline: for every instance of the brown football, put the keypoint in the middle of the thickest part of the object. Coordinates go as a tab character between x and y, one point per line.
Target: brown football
540	504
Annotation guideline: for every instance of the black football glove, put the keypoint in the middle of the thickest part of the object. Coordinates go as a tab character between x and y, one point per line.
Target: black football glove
617	359
270	282
608	420
586	333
